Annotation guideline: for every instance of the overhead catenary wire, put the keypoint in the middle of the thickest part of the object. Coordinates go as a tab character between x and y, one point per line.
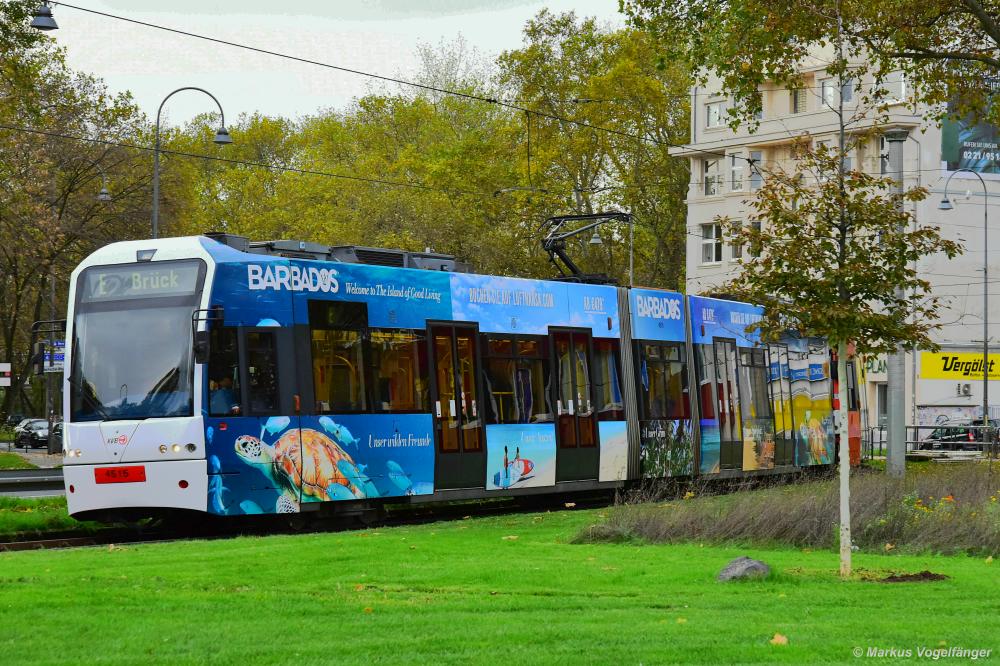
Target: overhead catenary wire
389	79
513	105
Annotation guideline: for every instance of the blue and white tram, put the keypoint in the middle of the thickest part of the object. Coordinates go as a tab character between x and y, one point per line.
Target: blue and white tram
216	375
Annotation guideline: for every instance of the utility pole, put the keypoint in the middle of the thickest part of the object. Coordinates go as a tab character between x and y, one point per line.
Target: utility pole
49	389
896	366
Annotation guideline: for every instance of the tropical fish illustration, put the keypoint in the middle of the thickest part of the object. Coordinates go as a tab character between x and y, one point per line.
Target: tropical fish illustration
398	477
216	490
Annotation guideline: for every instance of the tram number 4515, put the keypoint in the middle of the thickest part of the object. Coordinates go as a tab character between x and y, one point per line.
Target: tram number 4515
131	474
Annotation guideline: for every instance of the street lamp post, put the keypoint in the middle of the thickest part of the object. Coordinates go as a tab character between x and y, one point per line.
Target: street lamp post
41	18
221	137
947	205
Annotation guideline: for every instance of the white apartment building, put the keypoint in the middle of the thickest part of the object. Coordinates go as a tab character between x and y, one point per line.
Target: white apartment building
722	182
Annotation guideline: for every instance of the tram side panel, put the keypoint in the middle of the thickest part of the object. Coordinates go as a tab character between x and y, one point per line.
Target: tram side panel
663	395
736	409
553	406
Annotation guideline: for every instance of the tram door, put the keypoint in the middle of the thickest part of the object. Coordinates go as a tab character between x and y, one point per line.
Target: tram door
461	451
728	401
578	455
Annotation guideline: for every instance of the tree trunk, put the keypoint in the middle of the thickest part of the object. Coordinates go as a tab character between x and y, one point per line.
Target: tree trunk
845	462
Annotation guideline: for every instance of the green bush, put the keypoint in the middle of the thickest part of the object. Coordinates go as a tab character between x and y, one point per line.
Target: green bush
938	508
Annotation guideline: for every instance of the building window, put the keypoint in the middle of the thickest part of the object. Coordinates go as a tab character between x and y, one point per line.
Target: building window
798	97
883	156
829	90
714	113
713	177
735	246
828	93
895	87
755	247
736	172
848	162
711	243
756	164
847	91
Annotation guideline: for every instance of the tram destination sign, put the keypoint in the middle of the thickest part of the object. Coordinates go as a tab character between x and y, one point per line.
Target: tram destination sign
112	283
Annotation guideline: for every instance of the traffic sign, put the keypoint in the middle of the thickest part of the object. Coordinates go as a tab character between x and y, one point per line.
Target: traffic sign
5	374
55	355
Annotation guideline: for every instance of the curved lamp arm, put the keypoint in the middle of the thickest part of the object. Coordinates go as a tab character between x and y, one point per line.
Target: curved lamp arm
221	137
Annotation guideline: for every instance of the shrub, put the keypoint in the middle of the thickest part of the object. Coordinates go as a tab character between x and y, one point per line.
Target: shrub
941	509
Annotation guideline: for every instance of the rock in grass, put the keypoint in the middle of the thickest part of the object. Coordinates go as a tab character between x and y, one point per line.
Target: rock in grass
743	568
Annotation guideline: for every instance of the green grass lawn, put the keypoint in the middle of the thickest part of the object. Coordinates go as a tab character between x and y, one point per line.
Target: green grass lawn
506	590
43	514
14	461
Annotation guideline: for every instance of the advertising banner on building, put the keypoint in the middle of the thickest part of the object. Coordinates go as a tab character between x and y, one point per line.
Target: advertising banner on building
961	366
968	144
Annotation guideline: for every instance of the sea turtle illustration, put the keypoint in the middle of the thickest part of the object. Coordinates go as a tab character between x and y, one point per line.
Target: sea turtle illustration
312	468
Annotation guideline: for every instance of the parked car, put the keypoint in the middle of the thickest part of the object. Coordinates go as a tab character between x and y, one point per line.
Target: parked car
14	419
34	434
957	436
22	424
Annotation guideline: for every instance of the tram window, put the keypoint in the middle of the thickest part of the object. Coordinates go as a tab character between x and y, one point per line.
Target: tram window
516	374
399	371
262	372
754	384
705	364
224	373
607	381
338	371
338	356
663	380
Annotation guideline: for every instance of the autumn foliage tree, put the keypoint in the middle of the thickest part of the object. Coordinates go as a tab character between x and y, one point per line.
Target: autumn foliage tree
836	253
945	48
50	215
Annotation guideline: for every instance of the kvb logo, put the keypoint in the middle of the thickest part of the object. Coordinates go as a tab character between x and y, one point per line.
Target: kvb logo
120	439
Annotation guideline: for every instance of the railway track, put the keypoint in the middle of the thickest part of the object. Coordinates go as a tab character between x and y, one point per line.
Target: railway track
394	516
389	516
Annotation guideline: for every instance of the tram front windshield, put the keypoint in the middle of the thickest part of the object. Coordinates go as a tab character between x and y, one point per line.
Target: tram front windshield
132	349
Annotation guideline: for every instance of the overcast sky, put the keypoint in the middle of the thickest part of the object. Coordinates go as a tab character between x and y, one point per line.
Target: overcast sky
379	36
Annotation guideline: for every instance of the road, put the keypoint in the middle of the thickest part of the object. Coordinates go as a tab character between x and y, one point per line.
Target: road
41	459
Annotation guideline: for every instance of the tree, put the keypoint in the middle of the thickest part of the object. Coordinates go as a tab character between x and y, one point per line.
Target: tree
50	217
835	260
427	169
834	246
945	47
574	74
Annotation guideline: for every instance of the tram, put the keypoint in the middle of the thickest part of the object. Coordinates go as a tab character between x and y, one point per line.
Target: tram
217	375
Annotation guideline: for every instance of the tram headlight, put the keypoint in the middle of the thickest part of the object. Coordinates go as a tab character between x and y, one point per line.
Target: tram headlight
176	448
191	447
163	448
